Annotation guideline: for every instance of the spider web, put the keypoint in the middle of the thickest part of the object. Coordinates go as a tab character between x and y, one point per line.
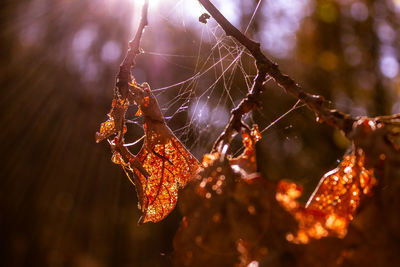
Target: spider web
218	73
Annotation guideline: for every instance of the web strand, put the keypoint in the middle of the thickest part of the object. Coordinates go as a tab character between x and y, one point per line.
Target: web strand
220	78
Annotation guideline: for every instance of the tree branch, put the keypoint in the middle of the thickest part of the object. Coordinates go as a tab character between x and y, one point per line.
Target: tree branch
124	75
266	67
121	93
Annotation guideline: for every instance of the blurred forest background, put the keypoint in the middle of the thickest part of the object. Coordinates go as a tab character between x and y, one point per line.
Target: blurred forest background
64	203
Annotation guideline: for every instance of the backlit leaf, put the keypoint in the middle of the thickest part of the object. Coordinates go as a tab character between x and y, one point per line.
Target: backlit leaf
334	202
162	166
246	164
170	167
168	162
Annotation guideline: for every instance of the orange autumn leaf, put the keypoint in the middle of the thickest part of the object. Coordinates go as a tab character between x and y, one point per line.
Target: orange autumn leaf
245	164
216	169
107	128
168	162
332	205
340	190
162	166
114	122
170	167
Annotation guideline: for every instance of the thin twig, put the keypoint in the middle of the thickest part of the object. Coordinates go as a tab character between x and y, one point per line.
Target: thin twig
265	68
124	75
123	81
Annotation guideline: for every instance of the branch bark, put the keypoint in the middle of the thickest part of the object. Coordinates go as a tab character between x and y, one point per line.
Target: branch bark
121	92
124	75
265	68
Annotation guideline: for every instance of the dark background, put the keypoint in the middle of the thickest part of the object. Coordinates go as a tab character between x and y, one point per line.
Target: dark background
64	203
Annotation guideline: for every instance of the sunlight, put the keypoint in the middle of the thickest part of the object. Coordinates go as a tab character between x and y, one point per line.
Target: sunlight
185	9
152	3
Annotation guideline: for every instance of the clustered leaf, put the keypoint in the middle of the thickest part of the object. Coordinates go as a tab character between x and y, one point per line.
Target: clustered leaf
229	212
162	166
232	215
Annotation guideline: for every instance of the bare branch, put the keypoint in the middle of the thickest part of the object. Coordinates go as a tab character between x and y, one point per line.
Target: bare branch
122	86
124	75
266	67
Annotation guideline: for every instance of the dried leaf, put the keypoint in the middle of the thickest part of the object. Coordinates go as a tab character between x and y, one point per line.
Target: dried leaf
246	163
204	17
334	202
162	166
170	166
229	219
107	128
115	120
168	162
